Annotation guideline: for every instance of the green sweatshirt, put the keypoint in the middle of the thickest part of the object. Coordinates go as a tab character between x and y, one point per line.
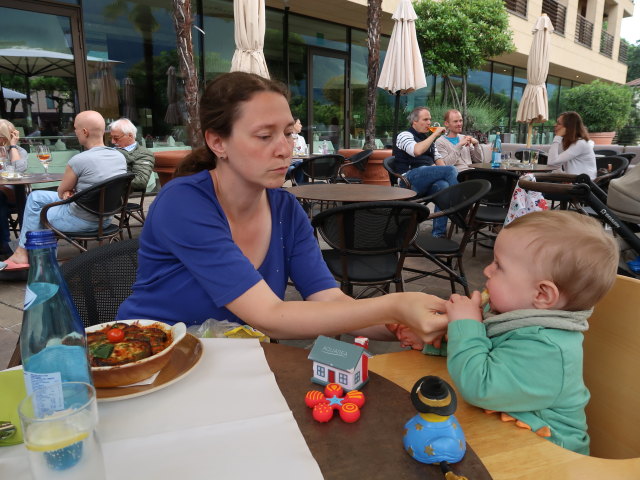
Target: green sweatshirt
528	364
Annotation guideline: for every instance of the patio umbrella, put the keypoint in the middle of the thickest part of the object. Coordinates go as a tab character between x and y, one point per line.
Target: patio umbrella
534	106
129	100
9	94
173	115
107	95
402	70
249	28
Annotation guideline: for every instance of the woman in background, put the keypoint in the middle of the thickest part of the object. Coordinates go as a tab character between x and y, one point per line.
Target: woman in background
17	157
571	148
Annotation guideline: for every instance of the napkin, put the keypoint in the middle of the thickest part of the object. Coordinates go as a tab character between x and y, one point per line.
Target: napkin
171	141
12	391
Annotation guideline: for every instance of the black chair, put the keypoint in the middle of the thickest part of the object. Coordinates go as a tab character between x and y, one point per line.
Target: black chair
359	161
460	203
610	167
395	178
104	200
525	155
494	206
134	211
323	168
369	241
98	282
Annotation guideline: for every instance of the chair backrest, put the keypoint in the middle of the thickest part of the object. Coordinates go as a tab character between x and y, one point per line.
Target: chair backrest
502	184
604	151
322	168
611	373
395	178
100	279
106	198
360	159
618	164
371	227
459	202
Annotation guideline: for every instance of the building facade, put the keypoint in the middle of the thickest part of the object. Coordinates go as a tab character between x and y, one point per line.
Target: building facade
115	56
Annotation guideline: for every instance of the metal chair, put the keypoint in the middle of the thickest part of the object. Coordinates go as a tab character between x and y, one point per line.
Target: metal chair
134	211
460	203
98	281
369	241
104	200
495	205
323	168
359	161
395	178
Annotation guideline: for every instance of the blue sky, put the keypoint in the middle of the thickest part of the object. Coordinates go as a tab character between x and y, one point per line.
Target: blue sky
630	29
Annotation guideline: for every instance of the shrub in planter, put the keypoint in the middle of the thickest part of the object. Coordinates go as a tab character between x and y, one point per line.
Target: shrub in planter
604	107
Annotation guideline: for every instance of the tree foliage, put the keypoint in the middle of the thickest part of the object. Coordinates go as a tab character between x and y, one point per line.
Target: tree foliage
604	107
633	61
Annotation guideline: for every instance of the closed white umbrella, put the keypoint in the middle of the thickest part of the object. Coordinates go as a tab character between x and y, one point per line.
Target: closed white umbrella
534	105
402	70
249	28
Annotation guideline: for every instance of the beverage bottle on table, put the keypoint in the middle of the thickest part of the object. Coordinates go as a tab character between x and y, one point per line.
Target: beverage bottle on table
496	151
325	148
52	340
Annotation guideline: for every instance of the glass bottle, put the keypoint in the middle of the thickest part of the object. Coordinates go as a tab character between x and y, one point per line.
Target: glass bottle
52	340
496	151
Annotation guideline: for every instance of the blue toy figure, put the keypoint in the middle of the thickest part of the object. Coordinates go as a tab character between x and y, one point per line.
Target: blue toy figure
434	435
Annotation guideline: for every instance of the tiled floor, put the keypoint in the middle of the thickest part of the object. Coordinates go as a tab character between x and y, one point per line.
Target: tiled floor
12	296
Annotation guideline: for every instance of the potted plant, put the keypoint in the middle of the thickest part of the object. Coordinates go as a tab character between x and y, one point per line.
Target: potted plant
604	108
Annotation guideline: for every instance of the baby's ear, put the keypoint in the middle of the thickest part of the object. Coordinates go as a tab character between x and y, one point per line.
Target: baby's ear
547	296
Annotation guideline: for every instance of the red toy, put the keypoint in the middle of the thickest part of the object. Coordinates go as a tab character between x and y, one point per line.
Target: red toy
323	406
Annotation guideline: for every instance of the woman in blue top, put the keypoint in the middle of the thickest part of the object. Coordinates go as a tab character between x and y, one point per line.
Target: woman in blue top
222	239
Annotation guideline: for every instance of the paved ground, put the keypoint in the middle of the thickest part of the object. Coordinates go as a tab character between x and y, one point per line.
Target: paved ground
12	296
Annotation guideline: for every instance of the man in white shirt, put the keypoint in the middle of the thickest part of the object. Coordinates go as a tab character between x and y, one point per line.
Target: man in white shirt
457	149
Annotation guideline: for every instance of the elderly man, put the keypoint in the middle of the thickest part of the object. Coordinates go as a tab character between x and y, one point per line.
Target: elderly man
457	149
140	161
94	165
418	160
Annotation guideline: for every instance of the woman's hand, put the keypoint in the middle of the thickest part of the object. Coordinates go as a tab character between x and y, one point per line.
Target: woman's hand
424	314
460	307
15	137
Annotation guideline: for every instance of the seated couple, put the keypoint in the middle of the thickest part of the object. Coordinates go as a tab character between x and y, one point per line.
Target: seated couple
95	164
418	156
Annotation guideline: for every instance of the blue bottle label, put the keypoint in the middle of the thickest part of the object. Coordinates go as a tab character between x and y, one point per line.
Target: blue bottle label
39	292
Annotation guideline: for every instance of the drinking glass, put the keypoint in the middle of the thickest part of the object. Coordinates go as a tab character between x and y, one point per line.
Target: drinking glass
434	126
4	157
59	428
44	155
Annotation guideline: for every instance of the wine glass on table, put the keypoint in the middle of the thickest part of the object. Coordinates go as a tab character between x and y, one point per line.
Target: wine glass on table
44	155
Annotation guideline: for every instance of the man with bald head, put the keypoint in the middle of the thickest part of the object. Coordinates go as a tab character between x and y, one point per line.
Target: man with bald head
94	165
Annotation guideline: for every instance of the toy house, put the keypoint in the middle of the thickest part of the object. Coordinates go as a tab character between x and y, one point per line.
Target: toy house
339	362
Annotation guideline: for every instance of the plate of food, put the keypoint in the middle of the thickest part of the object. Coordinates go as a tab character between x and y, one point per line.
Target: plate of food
124	354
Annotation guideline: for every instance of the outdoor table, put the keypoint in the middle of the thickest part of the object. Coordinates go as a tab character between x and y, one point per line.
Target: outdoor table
517	167
22	185
349	192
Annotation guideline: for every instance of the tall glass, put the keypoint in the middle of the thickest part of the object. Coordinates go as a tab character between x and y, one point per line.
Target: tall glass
44	155
434	126
61	440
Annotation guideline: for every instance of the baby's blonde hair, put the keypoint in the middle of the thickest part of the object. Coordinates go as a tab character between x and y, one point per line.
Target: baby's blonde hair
571	250
6	127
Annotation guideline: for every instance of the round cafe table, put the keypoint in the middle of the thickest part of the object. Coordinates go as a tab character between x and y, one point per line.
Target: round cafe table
22	184
517	167
350	192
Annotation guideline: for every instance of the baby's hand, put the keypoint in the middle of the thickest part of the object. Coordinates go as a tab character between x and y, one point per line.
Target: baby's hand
460	307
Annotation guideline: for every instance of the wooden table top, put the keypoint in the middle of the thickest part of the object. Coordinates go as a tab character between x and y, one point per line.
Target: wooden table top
372	447
350	192
31	178
508	452
517	167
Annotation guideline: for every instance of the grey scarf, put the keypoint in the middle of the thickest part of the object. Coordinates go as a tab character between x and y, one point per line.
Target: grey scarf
497	324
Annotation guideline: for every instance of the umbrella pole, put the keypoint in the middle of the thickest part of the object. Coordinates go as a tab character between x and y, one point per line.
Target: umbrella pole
529	132
396	111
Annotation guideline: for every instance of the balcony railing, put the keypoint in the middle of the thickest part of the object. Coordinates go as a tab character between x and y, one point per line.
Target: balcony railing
519	7
584	31
557	14
606	44
622	53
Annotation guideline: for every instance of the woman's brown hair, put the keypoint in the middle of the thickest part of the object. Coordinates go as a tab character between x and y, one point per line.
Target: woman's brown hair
219	110
575	129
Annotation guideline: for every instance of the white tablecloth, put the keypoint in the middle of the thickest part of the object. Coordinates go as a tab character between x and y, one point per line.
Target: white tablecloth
225	420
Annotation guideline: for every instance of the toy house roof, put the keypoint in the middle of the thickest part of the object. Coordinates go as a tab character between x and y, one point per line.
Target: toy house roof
336	353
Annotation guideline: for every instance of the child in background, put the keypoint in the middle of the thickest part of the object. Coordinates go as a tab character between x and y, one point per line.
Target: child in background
549	269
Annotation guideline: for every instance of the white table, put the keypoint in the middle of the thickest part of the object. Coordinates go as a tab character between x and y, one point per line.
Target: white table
225	420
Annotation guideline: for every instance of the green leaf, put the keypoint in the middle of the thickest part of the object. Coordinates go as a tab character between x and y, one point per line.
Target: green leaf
101	350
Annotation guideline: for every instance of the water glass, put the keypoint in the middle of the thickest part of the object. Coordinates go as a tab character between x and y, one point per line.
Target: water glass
59	428
4	157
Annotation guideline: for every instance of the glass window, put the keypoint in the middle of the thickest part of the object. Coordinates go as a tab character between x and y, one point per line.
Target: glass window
320	371
356	378
141	38
343	379
219	43
553	94
501	91
479	83
316	33
273	44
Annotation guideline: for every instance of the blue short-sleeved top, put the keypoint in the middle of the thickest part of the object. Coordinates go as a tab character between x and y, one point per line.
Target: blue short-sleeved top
189	268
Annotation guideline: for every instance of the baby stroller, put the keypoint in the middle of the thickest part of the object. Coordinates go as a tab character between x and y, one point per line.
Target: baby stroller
578	192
